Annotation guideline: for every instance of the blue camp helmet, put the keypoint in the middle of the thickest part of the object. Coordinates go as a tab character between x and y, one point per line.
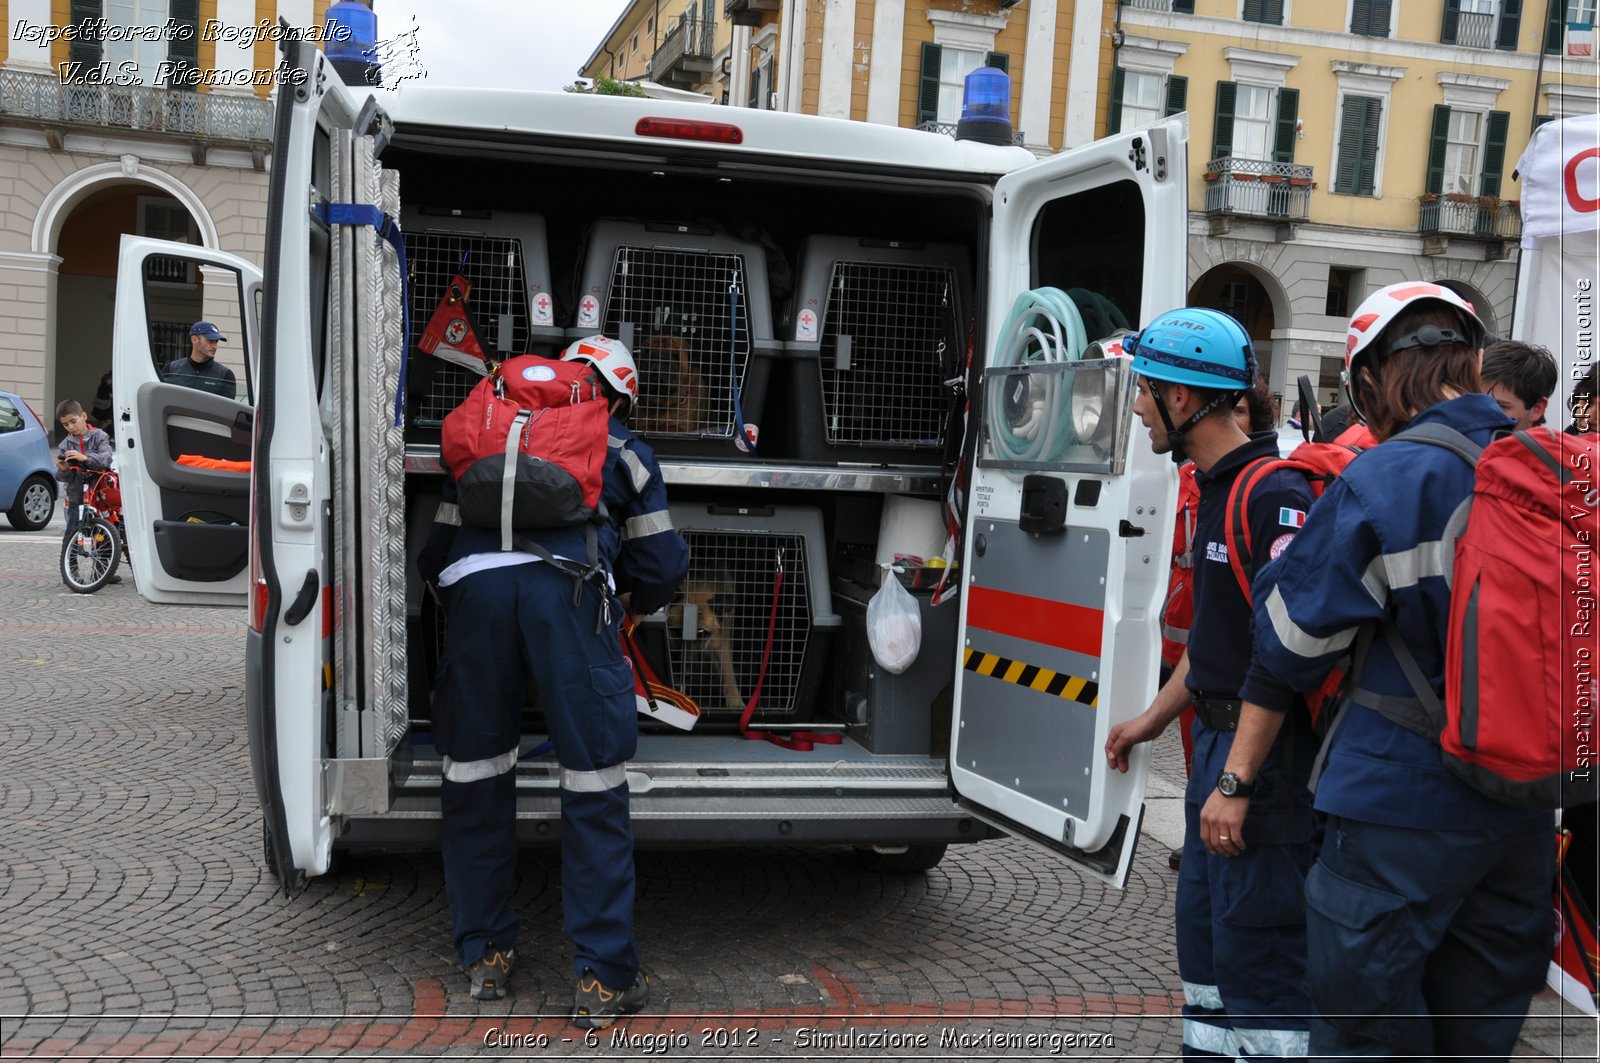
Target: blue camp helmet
1196	346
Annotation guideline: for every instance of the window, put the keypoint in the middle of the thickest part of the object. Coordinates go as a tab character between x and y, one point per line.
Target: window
1252	122
1267	11
954	66
167	219
1356	168
10	417
1343	284
145	55
1482	23
1461	152
1142	101
650	24
1236	300
1255	122
1370	18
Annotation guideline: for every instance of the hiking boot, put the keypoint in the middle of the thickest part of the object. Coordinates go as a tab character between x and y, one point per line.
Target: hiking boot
490	973
595	1007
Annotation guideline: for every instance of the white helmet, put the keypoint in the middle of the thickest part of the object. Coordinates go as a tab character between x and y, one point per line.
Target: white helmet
611	358
1379	311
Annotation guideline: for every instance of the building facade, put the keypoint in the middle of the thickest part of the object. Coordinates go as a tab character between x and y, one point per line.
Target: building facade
149	117
1338	147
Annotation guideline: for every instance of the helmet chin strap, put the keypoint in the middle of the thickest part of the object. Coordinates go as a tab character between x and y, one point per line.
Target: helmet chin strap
1175	436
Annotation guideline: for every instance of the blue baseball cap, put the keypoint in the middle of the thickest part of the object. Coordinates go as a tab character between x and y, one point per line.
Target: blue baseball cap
206	330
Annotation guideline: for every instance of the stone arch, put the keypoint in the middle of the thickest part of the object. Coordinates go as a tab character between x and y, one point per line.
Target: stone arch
57	206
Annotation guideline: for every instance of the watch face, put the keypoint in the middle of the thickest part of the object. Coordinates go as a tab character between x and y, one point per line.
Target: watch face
1228	783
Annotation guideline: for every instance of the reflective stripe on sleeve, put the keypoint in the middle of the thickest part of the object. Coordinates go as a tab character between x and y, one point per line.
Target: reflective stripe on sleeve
1207	1037
1180	635
594	782
447	513
647	524
636	470
1202	996
478	770
1295	639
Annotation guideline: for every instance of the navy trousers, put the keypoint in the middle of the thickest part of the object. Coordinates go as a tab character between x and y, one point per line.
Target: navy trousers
1427	942
505	626
1241	919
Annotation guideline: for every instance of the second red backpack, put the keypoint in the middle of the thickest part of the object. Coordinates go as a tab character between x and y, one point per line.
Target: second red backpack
527	446
1321	464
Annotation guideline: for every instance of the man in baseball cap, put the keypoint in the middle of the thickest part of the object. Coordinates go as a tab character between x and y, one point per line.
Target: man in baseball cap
200	369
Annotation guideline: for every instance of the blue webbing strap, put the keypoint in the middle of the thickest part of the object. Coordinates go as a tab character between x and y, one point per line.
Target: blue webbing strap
388	228
742	439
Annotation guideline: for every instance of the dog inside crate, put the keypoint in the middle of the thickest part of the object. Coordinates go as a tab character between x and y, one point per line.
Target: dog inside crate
718	627
672	394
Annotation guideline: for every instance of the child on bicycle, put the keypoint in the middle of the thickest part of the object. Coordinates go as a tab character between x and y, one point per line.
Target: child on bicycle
85	449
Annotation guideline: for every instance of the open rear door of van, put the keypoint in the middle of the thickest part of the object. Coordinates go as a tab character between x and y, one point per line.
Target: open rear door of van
325	657
1069	514
183	439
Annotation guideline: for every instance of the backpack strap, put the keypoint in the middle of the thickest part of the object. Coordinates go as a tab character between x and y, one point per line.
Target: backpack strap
594	573
1442	435
508	476
1236	525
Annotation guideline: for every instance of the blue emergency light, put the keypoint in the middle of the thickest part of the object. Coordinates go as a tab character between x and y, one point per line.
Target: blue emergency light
986	107
352	43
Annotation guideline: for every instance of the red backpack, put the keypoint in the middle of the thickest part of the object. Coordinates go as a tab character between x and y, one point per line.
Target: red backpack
1321	464
1520	653
527	446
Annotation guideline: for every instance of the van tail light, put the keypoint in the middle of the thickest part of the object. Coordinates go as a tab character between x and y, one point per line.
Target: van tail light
686	129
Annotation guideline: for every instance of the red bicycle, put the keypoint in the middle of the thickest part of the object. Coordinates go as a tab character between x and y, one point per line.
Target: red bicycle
90	555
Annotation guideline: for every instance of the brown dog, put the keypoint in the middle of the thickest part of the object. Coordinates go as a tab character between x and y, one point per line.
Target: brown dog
672	396
710	640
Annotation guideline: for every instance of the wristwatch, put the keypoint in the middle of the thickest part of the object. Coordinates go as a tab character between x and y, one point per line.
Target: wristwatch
1230	785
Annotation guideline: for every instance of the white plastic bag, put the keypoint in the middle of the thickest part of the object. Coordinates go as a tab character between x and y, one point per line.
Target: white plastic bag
894	625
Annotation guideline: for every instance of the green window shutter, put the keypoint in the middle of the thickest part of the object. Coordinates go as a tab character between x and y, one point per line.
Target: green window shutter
998	60
1494	153
1541	119
1222	128
1265	11
1183	7
1555	28
1436	145
1505	38
1177	94
1370	18
1288	112
87	52
1452	18
928	90
1358	146
1114	115
184	50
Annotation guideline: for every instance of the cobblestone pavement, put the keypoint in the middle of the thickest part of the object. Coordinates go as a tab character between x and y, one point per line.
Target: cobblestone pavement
136	918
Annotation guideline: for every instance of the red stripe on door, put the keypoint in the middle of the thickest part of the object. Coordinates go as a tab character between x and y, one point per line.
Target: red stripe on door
1075	628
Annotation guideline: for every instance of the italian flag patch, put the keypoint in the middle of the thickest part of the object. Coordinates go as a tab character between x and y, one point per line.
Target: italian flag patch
1291	518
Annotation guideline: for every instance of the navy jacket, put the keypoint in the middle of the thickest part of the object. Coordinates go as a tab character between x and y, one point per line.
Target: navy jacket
646	556
1219	640
1370	549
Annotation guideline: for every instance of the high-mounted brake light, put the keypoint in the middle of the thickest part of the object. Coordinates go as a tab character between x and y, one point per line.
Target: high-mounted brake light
684	129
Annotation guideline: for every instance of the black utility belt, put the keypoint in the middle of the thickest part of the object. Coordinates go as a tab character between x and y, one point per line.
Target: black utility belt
1219	714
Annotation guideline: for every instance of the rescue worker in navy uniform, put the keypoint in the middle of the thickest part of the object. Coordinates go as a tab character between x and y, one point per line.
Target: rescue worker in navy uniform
512	616
1240	925
1427	899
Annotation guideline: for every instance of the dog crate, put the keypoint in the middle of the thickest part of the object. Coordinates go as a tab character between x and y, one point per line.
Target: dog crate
692	305
716	631
879	327
505	257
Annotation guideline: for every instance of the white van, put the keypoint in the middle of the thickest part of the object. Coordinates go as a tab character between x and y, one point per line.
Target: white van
820	279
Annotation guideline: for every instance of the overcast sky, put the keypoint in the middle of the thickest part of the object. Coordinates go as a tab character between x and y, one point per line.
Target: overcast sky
522	44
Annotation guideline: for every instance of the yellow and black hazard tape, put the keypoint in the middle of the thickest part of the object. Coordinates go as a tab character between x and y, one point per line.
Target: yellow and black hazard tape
1059	684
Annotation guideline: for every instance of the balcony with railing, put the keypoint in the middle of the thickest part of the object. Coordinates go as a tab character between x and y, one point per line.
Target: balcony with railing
747	12
1471	217
47	100
1475	29
1257	188
683	58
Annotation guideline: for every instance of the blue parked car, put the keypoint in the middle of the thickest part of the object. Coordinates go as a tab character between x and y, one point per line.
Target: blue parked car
27	468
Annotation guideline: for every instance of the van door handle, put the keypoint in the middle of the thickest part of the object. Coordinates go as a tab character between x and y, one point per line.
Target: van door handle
300	608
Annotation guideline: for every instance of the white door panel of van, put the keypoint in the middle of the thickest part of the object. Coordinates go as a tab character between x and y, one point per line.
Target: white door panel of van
325	706
186	523
1068	542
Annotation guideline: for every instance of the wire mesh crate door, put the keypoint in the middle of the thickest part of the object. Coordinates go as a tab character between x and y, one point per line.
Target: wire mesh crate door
726	603
692	350
494	265
890	339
